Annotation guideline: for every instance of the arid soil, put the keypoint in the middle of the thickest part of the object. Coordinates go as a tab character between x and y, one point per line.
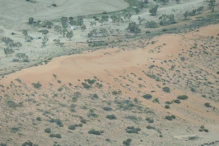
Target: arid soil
112	89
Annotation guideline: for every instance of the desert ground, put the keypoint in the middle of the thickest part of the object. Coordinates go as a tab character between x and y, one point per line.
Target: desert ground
157	86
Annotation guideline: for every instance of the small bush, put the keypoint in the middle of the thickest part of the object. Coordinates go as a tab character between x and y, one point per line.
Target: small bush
111	117
38	119
37	85
57	121
72	127
151	24
182	97
91	82
83	121
147	96
127	142
167	106
168	102
95	132
166	89
170	118
86	86
149	120
47	130
107	108
55	135
177	101
132	129
208	104
28	143
150	127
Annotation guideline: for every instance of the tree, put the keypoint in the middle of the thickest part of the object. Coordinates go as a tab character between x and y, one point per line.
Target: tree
186	14
64	22
104	18
21	56
8	51
164	1
83	27
128	16
153	10
167	19
211	4
177	1
31	20
58	28
133	27
44	40
140	20
80	20
47	24
69	35
18	44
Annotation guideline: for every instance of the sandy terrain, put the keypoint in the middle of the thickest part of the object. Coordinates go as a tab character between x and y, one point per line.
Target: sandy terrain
178	61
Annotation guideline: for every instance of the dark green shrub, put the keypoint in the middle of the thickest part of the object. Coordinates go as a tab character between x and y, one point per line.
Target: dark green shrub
151	24
170	118
177	101
91	82
47	130
86	86
166	89
132	129
72	127
168	102
37	85
182	97
38	119
111	117
13	104
127	142
55	135
107	108
28	143
208	104
150	127
57	121
149	120
95	132
167	106
83	121
147	96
